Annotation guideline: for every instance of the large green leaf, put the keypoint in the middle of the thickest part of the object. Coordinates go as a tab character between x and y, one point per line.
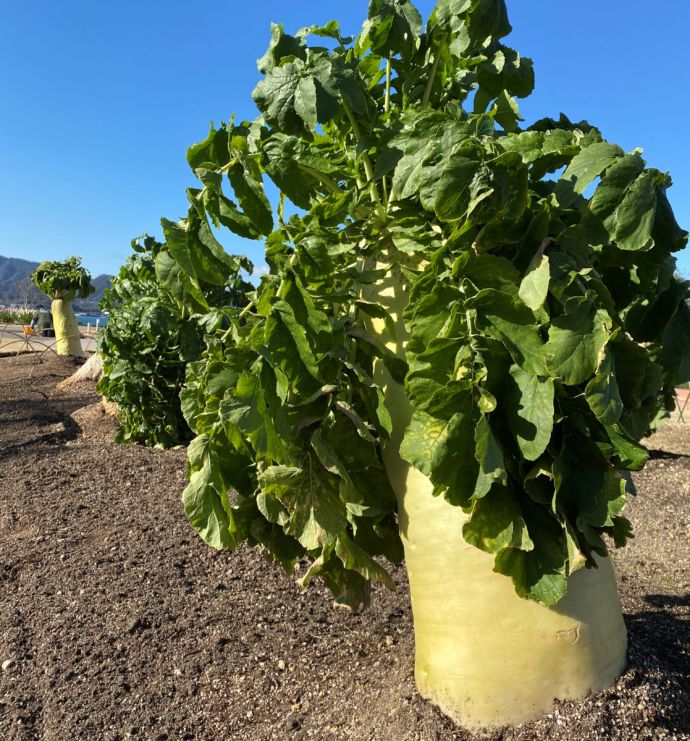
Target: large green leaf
315	514
535	285
283	313
426	143
584	168
454	190
490	457
287	97
602	393
675	354
612	189
282	45
444	451
182	287
496	523
213	150
505	72
357	559
318	512
627	452
514	324
245	408
392	28
575	341
248	188
205	498
539	573
530	411
635	215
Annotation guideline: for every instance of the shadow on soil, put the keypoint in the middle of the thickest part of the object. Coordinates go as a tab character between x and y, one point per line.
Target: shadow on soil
669	634
39	420
664	455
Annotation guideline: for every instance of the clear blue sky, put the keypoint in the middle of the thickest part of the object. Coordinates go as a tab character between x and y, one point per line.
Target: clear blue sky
99	100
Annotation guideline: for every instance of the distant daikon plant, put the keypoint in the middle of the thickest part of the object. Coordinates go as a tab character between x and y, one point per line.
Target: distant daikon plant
63	281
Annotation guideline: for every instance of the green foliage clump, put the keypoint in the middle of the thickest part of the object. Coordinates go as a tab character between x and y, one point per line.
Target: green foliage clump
63	279
544	328
146	345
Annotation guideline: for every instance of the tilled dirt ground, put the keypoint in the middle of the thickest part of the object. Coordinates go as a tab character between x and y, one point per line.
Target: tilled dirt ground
116	621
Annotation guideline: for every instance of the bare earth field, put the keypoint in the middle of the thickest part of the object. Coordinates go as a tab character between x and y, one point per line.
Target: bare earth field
117	622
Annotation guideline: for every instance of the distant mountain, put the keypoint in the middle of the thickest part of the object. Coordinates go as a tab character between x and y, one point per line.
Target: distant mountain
12	269
100	283
16	287
15	283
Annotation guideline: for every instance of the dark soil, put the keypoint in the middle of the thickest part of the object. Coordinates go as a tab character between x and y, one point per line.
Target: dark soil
116	621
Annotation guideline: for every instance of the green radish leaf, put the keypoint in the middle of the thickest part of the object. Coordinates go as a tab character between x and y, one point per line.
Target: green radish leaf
675	353
282	45
536	575
634	221
629	453
245	408
357	559
535	285
248	188
539	573
530	411
288	100
603	395
509	320
496	523
181	286
282	311
612	189
575	341
584	168
490	456
317	514
393	27
444	451
283	156
205	499
214	150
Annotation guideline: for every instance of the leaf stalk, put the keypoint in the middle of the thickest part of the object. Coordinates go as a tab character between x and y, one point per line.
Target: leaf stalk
430	81
368	167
